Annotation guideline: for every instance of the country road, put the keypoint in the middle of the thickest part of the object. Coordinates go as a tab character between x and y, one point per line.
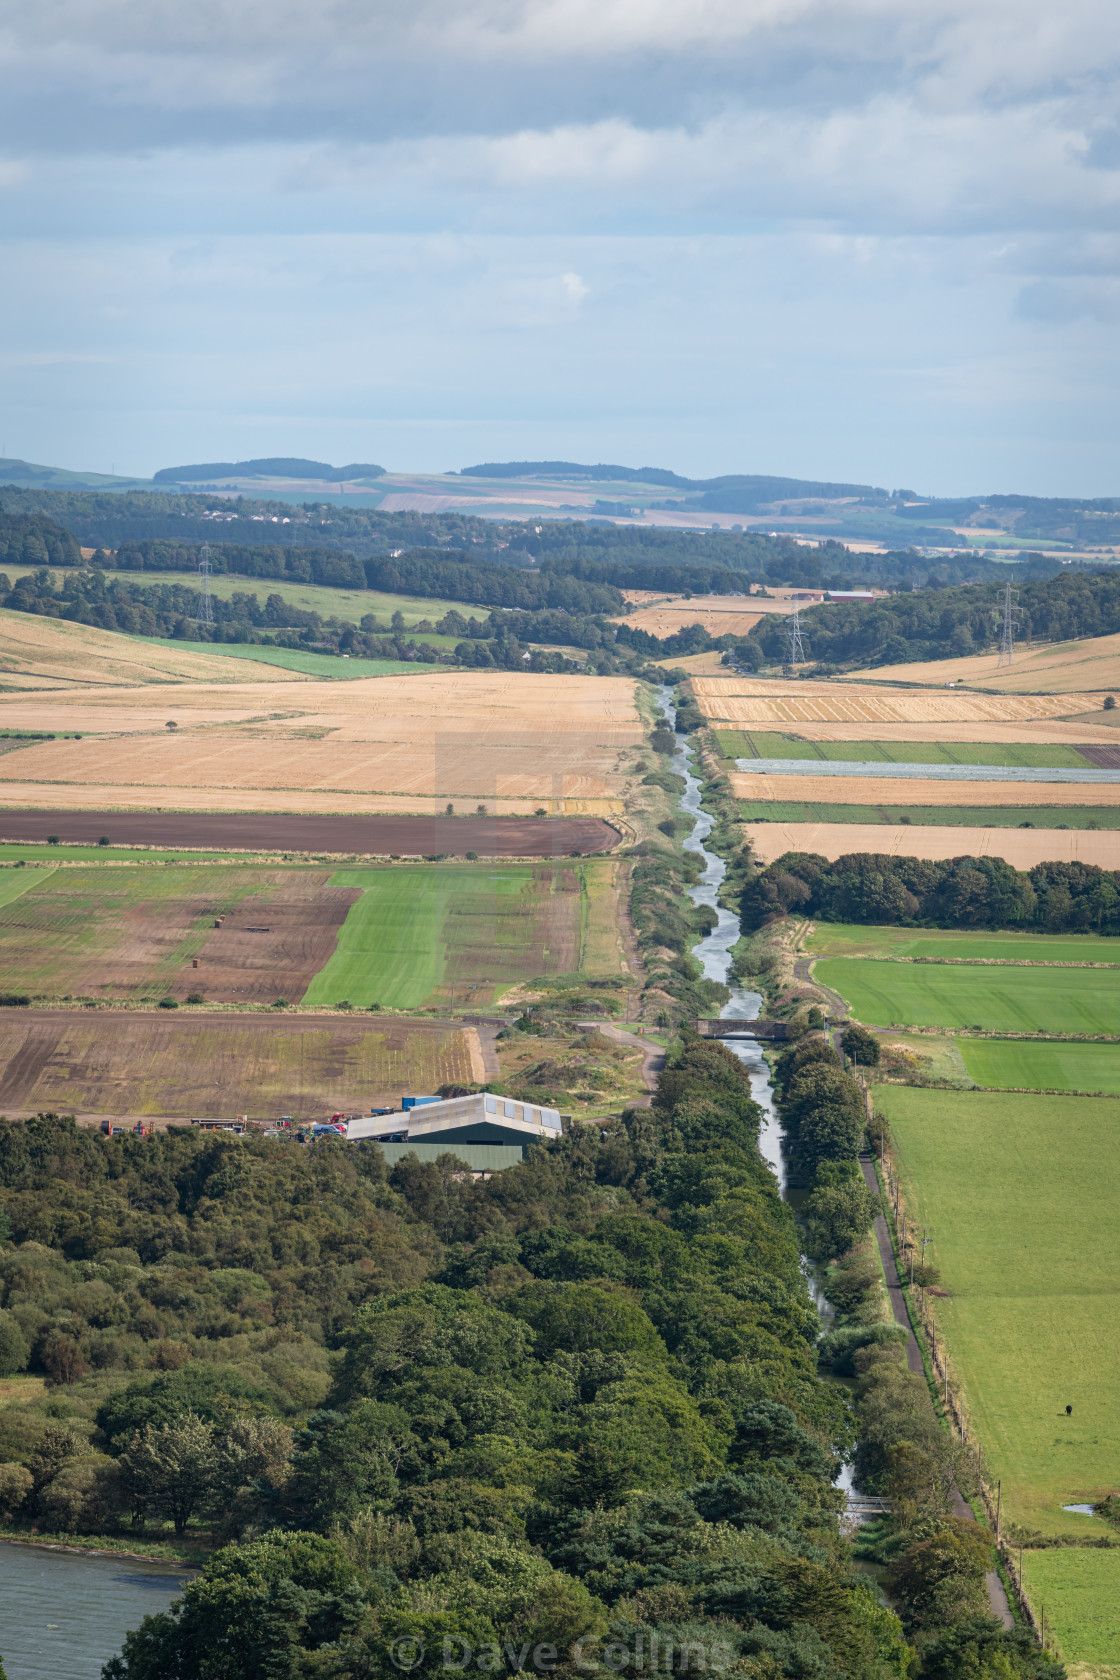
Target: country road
802	967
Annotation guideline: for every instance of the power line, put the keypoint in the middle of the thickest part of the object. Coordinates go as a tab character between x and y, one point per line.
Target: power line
796	648
1010	613
205	600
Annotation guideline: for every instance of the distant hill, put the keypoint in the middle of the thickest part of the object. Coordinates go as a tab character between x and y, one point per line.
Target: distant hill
268	466
29	475
733	493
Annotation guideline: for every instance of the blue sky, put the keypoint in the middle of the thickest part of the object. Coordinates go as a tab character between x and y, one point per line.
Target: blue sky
848	239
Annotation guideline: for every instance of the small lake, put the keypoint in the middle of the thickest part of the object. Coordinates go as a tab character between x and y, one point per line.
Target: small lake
63	1615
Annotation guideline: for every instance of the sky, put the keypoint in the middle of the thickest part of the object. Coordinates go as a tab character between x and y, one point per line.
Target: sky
873	240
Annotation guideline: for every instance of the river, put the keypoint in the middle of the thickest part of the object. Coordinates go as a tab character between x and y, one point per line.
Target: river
64	1614
713	953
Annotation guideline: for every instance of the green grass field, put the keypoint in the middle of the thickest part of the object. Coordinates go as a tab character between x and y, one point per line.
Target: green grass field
47	855
352	604
329	665
935	816
740	743
1045	1067
1021	1193
418	932
848	939
997	999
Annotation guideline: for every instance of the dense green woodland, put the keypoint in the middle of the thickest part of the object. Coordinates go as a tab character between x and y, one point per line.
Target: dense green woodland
576	1402
622	556
939	624
972	892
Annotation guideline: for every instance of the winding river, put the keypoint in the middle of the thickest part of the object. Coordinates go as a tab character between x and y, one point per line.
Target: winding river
713	953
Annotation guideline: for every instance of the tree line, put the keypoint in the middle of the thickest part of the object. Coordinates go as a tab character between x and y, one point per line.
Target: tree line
969	892
949	623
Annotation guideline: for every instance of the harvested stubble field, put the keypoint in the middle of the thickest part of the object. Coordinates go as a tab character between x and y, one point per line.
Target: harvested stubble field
996	999
49	654
893	791
131	933
853	939
1021	1193
718	615
206	1066
1091	663
511	740
1022	848
737	743
419	937
759	703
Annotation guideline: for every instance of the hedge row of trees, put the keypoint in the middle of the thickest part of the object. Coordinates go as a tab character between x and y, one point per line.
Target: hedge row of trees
973	892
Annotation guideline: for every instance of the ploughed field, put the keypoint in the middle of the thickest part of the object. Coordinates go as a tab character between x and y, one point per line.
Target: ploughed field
133	932
200	1065
1005	998
1021	1194
378	834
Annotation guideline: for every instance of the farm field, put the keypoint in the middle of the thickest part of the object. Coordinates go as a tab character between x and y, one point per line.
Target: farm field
329	666
1045	1067
758	744
1008	999
132	933
1021	1192
719	615
207	1065
1092	662
760	703
513	741
941	817
877	791
850	939
50	655
416	933
1021	847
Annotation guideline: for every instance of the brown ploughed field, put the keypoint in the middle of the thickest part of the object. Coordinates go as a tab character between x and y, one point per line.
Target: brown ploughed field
211	1066
381	836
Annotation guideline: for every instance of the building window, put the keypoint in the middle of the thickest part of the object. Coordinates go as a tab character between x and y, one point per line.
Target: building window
491	1105
511	1111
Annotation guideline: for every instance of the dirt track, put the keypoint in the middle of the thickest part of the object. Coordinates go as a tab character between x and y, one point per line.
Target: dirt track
264	831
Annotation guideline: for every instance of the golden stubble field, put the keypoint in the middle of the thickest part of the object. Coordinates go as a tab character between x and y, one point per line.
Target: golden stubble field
49	654
1053	667
1022	848
761	704
513	741
907	790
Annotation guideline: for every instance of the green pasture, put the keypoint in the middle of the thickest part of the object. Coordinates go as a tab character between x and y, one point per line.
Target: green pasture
932	816
1042	1066
352	604
46	856
329	665
997	999
1021	1195
1080	1592
418	931
850	939
738	743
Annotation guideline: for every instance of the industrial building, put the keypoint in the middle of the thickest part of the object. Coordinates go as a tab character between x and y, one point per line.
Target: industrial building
496	1129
